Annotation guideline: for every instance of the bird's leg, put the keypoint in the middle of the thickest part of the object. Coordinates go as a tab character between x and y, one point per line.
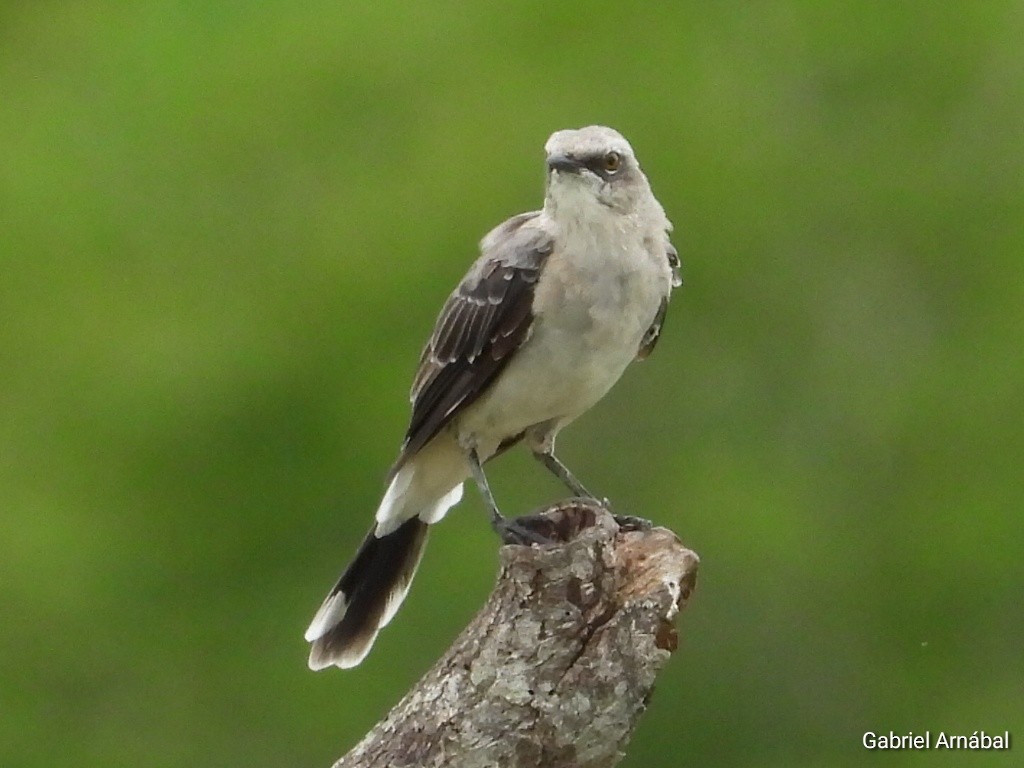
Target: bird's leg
485	489
509	531
546	456
543	449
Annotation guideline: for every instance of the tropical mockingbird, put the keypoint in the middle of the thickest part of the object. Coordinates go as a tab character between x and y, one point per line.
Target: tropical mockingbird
560	301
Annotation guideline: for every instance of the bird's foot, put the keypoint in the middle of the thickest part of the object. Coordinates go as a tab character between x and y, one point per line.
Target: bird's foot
633	523
524	531
589	499
625	522
544	528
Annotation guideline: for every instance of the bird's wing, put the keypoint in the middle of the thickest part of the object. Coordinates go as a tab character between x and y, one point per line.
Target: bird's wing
483	323
675	264
650	338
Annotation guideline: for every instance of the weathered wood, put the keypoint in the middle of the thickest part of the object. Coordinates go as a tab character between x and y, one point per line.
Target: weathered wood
557	668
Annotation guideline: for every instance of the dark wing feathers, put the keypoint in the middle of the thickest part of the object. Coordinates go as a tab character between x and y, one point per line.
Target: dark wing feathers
482	324
675	264
650	338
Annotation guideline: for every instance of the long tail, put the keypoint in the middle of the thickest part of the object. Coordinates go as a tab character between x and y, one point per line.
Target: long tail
371	589
366	596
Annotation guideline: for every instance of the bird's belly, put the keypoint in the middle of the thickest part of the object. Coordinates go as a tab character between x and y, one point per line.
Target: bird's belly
576	352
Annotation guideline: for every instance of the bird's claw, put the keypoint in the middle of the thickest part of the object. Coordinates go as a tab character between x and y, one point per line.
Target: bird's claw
516	531
633	523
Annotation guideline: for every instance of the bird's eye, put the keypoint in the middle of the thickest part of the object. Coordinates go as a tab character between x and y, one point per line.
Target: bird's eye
612	162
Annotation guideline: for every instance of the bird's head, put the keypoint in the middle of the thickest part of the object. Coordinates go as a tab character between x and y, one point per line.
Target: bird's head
595	164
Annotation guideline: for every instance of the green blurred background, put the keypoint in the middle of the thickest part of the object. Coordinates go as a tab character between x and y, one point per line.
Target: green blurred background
226	229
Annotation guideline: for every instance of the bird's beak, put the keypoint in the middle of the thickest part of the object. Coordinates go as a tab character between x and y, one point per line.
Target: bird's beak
564	163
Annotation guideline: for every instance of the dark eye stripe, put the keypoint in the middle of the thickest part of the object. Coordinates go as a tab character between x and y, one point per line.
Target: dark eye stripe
596	164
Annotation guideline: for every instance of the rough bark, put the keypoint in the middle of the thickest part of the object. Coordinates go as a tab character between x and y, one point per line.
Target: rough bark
557	668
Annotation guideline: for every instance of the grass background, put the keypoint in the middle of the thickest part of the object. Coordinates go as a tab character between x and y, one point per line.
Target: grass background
225	231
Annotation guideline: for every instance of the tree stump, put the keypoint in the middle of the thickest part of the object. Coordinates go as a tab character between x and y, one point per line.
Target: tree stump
558	666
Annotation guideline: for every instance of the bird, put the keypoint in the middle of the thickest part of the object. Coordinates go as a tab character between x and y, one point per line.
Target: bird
560	301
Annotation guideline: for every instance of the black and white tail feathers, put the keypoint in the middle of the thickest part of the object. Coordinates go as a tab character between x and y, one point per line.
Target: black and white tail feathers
366	596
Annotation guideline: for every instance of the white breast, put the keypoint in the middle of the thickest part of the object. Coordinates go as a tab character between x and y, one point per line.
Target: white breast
597	296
